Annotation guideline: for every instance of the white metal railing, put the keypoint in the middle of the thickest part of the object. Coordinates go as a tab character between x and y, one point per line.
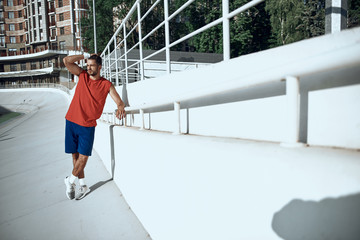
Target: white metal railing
115	65
302	63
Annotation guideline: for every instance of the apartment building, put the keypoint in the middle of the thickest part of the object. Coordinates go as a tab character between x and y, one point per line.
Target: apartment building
35	35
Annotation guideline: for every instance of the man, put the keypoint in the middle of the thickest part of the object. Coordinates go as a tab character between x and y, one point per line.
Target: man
85	108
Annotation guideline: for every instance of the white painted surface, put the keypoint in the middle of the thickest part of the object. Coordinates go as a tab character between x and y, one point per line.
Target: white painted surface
190	187
334	117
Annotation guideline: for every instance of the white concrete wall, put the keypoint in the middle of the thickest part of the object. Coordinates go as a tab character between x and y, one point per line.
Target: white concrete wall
191	187
334	117
196	187
221	187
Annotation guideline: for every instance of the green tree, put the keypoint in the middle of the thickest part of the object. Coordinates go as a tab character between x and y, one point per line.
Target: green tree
285	18
294	20
250	30
104	25
353	13
312	19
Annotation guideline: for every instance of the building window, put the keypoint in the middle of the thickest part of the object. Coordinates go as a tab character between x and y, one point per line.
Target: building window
11	27
10	3
2	28
62	31
20	26
2	41
62	45
13	67
52	20
53	33
21	38
23	66
33	65
20	13
12	39
11	15
61	3
61	17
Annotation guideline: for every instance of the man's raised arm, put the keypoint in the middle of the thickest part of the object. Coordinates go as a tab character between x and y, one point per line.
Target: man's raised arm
70	64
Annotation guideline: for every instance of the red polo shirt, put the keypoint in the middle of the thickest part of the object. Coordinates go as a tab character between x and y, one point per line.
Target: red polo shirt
89	100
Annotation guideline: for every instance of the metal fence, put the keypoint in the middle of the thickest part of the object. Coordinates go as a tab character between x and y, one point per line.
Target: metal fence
116	63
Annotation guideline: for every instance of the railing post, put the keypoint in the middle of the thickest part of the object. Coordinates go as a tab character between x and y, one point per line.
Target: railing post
167	36
109	62
142	119
116	64
177	129
140	43
126	58
226	30
293	112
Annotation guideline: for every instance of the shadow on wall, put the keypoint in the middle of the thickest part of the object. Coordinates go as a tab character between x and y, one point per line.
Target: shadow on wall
331	218
4	110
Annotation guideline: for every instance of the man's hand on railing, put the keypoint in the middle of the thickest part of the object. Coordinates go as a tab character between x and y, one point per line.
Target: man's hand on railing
120	112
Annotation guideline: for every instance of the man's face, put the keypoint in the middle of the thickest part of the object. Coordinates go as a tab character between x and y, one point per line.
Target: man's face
92	67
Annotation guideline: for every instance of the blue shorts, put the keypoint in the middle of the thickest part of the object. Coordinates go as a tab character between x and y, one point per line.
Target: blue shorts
79	139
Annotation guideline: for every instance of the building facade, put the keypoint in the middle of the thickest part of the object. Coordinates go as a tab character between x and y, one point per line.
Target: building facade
35	35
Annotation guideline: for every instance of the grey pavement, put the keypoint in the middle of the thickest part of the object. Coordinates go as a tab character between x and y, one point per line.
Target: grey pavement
33	204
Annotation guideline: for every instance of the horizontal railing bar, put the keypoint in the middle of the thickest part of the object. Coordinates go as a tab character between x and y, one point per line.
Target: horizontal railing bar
202	29
128	34
154	30
181	9
150	9
132	10
244	8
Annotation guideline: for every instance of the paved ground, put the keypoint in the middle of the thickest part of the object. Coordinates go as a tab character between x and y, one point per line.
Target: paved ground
33	164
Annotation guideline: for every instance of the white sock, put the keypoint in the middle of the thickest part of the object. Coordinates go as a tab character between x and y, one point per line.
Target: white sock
82	181
72	179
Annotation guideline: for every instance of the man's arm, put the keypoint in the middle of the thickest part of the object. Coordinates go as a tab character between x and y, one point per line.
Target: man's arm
70	64
120	113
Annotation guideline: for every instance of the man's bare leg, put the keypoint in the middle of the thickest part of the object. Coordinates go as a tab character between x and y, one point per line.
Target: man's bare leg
75	159
79	162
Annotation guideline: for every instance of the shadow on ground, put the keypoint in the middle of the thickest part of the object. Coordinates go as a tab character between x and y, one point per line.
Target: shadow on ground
97	185
331	218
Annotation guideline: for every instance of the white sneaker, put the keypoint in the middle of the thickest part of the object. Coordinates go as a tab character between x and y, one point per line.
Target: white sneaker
82	192
70	189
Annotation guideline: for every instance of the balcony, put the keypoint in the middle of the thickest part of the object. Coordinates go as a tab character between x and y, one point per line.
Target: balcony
35	71
32	54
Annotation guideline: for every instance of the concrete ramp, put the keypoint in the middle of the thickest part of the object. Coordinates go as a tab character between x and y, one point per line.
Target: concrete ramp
33	164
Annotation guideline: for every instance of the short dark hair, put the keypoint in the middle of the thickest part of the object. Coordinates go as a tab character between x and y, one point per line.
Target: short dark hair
97	58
